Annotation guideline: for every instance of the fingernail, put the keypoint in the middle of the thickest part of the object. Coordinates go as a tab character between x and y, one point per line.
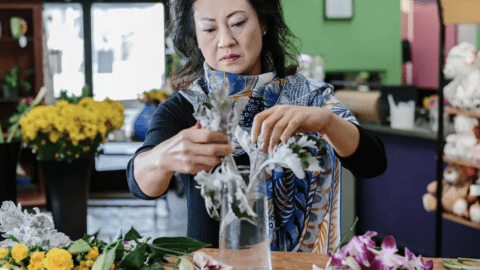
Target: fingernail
198	125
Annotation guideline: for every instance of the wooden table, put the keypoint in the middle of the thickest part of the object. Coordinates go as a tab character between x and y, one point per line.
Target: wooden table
305	261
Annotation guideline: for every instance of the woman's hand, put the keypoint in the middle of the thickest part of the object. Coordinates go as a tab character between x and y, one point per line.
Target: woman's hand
281	121
195	149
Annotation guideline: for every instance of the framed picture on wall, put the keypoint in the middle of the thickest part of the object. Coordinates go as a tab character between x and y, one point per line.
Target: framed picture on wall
338	9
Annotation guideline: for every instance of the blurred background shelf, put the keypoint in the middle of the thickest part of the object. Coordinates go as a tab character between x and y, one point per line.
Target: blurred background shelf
463	162
457	219
455	111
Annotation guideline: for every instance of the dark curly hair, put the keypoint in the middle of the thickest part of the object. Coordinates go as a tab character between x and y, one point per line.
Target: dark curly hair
278	51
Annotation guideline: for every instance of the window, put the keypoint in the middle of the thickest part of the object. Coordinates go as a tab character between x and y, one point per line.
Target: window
64	39
127	47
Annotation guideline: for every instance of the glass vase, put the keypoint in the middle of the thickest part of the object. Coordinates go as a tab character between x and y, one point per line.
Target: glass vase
244	242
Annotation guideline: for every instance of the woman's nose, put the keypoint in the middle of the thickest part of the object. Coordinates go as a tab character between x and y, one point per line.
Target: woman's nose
226	39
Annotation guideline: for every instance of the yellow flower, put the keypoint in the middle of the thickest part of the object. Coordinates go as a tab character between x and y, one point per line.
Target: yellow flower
37	258
35	267
8	266
112	267
3	253
92	254
19	252
89	263
43	142
58	259
77	155
54	136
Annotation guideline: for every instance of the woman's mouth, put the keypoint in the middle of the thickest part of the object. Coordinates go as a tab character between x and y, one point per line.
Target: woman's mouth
230	58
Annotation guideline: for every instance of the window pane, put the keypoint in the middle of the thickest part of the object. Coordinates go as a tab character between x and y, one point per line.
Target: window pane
128	49
64	38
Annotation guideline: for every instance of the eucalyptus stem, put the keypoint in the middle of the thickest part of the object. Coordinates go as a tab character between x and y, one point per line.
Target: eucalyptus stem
169	250
469	260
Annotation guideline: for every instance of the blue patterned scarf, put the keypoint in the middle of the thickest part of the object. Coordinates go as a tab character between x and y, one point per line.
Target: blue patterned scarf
304	214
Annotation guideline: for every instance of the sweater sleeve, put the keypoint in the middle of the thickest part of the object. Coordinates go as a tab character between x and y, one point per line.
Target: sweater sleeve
169	118
370	159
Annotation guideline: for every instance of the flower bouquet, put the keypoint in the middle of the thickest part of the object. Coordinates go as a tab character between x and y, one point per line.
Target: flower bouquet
68	131
156	96
34	244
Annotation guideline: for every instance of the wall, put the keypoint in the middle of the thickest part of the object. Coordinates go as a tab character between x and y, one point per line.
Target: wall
369	42
478	38
425	46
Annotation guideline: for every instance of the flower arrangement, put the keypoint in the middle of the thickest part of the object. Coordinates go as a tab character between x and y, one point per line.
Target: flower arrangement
155	96
34	244
68	131
431	102
218	115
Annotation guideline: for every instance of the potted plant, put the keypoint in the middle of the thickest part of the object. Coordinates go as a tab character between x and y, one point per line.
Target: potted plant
12	83
65	138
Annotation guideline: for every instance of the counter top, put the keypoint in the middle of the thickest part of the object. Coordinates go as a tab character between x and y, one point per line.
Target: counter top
417	132
305	261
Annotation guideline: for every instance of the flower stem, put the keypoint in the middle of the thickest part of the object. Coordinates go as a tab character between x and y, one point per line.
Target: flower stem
1	135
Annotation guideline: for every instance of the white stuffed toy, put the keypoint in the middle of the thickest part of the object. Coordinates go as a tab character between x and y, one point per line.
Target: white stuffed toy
461	143
463	66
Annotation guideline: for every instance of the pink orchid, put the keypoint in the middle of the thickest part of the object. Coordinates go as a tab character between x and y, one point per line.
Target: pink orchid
416	263
387	257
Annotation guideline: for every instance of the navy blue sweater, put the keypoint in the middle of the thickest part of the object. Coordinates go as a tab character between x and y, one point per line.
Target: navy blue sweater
176	114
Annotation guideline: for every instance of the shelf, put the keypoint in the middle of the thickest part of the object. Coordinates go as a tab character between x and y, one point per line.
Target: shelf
10	39
455	111
461	220
463	162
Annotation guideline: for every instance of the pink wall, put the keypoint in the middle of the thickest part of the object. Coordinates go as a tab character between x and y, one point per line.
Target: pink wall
425	44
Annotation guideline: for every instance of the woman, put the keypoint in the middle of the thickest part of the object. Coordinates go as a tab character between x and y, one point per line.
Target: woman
248	42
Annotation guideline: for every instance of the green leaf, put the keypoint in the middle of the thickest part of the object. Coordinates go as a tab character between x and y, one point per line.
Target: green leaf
105	260
223	105
181	244
13	238
80	246
119	252
132	234
87	238
186	264
136	258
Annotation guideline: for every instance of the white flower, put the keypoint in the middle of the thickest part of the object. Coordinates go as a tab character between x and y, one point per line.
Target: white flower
29	229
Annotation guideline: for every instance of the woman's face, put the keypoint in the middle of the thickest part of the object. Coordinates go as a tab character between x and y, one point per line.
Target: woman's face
229	35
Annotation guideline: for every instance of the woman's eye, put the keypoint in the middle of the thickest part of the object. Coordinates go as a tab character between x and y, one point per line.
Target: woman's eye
239	23
208	30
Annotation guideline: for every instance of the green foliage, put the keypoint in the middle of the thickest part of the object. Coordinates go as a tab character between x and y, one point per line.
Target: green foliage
448	263
144	255
13	79
173	64
80	246
74	99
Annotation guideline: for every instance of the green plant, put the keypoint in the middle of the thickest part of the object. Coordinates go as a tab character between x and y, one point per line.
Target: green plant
173	63
22	110
14	82
74	99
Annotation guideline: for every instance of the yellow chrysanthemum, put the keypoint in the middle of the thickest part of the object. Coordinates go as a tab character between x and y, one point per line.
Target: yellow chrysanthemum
92	254
58	259
35	267
112	267
37	258
3	253
20	252
7	266
54	136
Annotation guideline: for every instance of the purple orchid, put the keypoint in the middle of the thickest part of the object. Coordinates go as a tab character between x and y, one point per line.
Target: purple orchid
360	254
